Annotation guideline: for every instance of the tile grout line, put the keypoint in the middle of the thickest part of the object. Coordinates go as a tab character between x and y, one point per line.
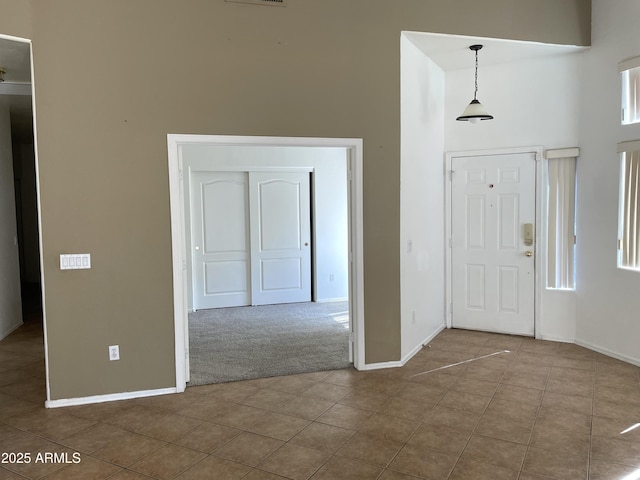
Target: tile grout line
379	409
475	427
526	451
593	406
535	422
521	468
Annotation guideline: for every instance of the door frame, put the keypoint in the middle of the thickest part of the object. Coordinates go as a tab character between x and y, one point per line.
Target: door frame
537	265
354	148
32	88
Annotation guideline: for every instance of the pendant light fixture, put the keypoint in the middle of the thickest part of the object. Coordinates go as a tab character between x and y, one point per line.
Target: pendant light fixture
475	111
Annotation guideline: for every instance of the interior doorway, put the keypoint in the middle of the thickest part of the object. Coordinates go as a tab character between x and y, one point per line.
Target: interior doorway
282	148
258	241
21	292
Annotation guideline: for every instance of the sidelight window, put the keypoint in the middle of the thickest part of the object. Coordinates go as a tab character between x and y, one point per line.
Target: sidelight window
561	201
629	206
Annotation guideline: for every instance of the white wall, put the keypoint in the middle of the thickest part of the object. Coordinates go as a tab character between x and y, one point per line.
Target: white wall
421	198
608	300
331	227
330	204
10	301
535	102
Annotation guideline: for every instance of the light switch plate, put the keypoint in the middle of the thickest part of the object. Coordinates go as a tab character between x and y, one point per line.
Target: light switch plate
75	261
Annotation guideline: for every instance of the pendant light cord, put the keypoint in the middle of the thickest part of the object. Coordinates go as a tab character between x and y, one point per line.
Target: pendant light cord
475	93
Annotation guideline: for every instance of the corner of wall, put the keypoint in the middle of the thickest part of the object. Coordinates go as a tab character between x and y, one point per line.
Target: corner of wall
421	198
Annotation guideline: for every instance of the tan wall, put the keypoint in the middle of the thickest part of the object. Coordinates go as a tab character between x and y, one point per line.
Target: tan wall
114	77
16	18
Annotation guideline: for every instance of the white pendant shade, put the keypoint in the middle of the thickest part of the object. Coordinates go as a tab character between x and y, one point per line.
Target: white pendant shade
474	113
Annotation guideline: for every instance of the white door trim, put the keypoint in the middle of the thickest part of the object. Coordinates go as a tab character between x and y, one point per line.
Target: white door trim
39	209
353	146
538	264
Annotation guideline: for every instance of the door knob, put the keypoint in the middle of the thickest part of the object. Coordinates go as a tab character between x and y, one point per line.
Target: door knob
529	253
197	247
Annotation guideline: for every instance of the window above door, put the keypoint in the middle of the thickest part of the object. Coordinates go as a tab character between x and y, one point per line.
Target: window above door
630	73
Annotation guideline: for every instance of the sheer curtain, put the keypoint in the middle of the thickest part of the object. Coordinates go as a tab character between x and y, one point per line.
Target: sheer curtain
630	210
561	222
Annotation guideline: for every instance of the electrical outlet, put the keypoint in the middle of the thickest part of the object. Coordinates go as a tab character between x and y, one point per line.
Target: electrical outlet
114	352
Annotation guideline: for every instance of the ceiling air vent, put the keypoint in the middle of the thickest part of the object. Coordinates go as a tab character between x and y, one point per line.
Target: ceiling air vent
272	3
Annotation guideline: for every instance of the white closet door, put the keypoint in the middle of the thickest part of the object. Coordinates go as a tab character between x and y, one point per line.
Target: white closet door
220	239
280	225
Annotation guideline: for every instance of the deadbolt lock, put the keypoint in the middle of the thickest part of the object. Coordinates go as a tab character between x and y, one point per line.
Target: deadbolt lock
528	234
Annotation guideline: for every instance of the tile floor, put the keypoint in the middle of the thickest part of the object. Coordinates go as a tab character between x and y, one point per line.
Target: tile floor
542	410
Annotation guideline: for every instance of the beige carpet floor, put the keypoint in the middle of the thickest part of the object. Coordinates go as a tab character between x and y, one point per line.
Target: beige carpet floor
241	343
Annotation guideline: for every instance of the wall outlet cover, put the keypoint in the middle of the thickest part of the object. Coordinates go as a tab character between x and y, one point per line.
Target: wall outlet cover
114	352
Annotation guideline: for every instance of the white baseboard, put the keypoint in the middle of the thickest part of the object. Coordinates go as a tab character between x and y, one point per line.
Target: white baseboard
551	338
329	300
381	365
607	352
68	402
4	334
421	345
407	357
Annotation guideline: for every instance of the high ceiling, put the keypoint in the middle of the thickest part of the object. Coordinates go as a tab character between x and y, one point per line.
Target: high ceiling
451	52
15	59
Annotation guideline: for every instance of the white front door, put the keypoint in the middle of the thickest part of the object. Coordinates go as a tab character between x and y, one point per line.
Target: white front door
220	239
280	237
492	263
